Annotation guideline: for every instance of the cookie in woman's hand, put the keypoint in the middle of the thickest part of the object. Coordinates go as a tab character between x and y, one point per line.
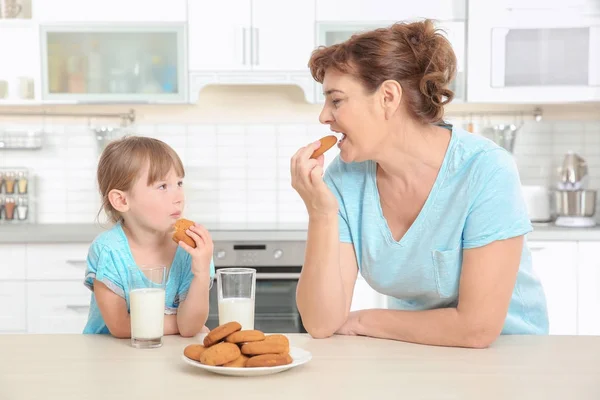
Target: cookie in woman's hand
326	143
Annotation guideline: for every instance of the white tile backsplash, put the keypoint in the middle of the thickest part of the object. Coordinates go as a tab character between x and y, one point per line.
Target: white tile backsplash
240	173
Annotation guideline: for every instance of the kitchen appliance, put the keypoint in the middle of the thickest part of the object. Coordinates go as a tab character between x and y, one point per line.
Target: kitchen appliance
575	203
278	265
537	199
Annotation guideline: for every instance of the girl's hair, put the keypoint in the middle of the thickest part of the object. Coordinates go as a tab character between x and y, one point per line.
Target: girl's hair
416	55
123	160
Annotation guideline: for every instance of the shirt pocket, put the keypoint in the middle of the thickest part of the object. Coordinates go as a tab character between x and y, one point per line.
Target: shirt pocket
447	267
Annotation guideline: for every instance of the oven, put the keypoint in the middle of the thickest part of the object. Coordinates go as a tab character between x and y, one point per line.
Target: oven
278	265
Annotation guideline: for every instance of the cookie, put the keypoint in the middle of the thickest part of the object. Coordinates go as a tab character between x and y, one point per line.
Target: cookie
239	362
277	338
181	225
269	360
194	351
220	354
326	143
265	347
221	332
245	336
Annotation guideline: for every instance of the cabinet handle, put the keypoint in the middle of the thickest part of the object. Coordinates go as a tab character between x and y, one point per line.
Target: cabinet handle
244	46
77	263
78	308
536	248
256	57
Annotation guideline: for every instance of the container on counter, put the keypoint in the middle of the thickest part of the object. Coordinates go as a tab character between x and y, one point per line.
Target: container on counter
15	196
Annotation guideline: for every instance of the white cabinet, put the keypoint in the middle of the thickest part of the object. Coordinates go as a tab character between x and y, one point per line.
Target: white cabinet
109	10
365	297
13	307
555	263
533	51
57	261
12	262
57	307
219	35
244	35
589	288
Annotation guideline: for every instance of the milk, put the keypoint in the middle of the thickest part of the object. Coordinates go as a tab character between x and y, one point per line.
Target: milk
147	309
237	309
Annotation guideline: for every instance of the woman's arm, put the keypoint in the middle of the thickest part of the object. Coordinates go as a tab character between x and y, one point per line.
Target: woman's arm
114	312
327	280
486	285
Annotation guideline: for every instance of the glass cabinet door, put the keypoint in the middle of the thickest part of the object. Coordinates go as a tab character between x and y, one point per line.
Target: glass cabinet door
113	64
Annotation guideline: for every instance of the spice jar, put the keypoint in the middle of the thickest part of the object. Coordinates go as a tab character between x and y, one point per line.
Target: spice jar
22	208
9	182
9	208
1	207
22	182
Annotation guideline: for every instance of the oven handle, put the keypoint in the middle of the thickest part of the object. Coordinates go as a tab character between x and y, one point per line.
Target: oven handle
276	276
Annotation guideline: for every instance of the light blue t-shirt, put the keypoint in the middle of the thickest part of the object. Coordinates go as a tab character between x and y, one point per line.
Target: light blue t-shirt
475	200
108	260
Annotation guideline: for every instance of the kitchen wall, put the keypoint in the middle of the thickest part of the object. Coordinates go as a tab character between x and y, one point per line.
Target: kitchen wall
236	144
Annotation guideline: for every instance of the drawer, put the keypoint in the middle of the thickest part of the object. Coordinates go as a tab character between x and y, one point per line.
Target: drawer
57	261
57	307
13	307
12	261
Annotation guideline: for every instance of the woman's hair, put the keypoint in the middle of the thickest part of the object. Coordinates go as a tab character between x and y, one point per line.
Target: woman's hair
123	160
416	55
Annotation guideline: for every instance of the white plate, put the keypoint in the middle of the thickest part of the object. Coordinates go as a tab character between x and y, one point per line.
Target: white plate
299	357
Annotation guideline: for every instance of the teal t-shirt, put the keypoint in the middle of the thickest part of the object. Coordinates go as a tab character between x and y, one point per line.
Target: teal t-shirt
108	260
475	200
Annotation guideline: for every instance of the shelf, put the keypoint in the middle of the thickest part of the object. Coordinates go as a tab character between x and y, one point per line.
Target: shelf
17	23
19	102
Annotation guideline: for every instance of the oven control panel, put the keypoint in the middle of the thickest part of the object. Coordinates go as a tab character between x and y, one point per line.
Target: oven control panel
272	253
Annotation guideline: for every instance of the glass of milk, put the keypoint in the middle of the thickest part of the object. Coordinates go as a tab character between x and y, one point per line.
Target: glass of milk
147	305
235	291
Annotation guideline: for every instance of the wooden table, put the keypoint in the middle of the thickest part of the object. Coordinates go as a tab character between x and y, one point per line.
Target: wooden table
101	367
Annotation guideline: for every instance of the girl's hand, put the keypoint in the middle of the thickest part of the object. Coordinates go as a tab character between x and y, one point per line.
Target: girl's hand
203	253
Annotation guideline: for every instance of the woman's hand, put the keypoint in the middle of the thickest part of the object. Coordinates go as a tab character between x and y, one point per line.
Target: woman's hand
352	325
202	254
307	180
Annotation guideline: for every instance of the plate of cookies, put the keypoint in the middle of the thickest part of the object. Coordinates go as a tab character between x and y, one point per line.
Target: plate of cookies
229	350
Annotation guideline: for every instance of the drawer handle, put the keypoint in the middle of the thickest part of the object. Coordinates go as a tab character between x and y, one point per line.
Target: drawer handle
535	248
77	263
78	308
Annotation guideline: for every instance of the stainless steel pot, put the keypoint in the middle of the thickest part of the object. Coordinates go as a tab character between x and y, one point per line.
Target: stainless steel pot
575	203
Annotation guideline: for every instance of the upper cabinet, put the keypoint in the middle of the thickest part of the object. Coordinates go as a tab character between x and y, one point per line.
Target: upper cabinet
110	11
116	62
250	35
534	51
335	25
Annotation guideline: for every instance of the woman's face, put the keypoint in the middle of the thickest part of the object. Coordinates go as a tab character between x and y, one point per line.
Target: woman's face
355	114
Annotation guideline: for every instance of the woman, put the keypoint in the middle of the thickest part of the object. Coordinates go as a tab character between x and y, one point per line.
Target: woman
429	214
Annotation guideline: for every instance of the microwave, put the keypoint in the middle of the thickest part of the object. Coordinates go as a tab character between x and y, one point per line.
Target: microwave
534	53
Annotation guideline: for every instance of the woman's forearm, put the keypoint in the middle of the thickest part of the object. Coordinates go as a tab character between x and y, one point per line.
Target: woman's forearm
320	295
438	327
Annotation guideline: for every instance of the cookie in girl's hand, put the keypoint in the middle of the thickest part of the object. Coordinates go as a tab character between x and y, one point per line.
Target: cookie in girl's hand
181	225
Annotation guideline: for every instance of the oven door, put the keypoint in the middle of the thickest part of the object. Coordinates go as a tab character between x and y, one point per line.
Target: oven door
275	308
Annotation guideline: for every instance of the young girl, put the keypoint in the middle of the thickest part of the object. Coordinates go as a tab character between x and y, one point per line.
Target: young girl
141	181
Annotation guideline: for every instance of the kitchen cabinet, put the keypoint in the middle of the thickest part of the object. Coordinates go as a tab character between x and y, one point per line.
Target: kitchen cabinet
589	288
20	69
109	10
555	263
13	307
126	62
12	262
250	35
57	307
533	51
52	262
385	10
365	297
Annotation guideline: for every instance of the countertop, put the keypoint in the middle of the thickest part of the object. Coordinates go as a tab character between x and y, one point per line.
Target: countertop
85	233
100	367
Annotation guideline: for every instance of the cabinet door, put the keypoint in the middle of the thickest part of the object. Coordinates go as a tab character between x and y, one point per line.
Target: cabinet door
219	35
57	261
283	34
365	297
589	288
57	307
12	261
384	10
13	309
109	10
555	263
